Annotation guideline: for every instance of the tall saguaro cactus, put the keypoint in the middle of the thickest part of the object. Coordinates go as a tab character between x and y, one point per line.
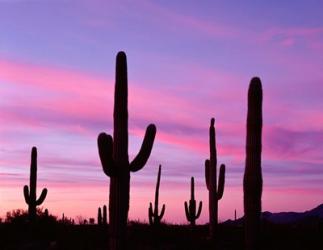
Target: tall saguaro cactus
154	217
252	181
115	159
215	192
30	192
190	210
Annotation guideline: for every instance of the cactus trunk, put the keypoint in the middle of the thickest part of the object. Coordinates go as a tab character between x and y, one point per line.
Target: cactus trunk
190	210
115	160
30	192
154	217
252	182
215	190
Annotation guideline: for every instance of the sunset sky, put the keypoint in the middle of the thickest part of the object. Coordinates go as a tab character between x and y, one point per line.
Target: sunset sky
186	63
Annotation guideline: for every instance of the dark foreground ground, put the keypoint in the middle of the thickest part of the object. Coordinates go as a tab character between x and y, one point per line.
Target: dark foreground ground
142	236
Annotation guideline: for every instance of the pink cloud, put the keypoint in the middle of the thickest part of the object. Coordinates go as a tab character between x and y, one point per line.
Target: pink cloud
288	36
68	98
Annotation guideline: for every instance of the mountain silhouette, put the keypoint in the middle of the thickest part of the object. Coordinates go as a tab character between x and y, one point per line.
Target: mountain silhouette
315	214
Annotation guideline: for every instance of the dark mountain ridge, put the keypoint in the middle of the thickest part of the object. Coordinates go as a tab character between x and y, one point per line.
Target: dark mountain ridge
315	214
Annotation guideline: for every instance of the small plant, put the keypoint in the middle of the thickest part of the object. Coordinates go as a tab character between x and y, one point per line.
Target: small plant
114	157
18	216
30	193
46	213
190	210
215	192
154	217
252	180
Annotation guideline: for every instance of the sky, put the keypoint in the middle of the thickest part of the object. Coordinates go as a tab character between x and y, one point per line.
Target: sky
186	63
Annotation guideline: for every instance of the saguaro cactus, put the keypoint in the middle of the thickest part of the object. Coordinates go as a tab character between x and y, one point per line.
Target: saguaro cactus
154	218
30	192
99	216
252	181
115	159
105	222
215	192
190	210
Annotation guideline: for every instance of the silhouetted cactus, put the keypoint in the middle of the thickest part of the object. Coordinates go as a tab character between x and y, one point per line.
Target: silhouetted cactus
190	210
252	181
235	215
215	192
115	159
99	216
105	221
154	217
30	193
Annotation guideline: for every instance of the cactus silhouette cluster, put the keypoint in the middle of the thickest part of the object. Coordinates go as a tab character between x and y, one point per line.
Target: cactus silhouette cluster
153	213
30	192
190	209
215	192
252	180
114	157
102	215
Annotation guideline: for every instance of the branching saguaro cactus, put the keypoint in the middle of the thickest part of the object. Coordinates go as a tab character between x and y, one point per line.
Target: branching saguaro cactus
105	221
115	159
154	217
215	192
190	210
30	192
252	181
99	216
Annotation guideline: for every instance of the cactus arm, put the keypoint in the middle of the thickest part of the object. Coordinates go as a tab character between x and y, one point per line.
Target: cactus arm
105	145
26	194
41	197
104	218
140	160
207	174
162	212
221	182
199	210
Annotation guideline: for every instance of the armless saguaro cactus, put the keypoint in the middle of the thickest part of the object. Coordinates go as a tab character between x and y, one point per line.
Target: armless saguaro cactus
215	192
252	181
154	218
30	192
115	159
190	210
99	216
